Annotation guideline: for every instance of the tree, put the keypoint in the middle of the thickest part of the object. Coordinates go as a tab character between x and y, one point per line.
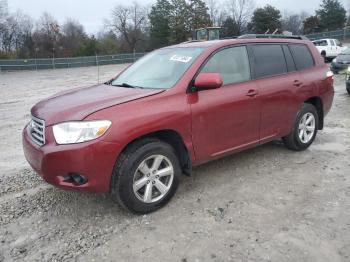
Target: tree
311	24
108	43
46	35
178	21
240	11
229	28
129	23
15	28
332	15
294	23
73	38
198	15
264	19
159	18
214	12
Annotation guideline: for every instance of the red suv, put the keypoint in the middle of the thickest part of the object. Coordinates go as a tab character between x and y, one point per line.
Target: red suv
176	108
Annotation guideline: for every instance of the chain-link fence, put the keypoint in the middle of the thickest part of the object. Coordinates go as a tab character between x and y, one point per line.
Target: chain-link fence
53	63
341	34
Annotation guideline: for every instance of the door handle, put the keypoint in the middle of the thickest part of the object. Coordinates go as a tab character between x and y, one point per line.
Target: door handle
252	93
297	83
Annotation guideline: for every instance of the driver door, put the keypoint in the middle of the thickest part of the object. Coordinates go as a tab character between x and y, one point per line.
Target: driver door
226	119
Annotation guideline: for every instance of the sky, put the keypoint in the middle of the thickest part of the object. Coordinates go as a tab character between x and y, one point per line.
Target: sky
93	13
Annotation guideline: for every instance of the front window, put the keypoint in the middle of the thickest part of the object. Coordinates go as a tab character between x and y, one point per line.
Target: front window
231	63
161	69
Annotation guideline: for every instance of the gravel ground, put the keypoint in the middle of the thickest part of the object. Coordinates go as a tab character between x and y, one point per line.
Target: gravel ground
265	204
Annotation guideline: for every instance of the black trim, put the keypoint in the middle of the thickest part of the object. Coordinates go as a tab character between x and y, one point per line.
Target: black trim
292	53
253	61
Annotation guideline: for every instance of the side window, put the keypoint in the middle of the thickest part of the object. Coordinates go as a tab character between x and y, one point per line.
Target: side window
231	63
269	60
302	56
332	42
289	59
337	42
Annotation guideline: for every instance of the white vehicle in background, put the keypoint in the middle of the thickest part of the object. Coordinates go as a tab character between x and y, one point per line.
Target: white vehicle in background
329	48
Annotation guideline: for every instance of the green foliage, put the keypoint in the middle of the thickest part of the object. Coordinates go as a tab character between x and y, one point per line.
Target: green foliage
89	48
311	24
266	18
108	44
179	16
229	28
332	15
175	21
198	15
160	24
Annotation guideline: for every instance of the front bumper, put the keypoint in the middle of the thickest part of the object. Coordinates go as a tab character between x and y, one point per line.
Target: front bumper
94	160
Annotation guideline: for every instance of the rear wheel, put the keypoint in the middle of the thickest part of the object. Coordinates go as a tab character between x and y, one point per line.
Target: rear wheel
304	130
146	176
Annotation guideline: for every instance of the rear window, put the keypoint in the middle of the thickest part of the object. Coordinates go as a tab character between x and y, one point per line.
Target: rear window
302	56
269	60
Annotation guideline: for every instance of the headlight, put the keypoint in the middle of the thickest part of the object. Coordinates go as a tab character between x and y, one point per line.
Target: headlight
79	131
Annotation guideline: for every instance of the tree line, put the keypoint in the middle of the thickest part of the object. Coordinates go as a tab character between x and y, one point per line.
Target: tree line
140	28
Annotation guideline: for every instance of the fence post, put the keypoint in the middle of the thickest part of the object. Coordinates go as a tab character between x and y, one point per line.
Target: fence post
98	69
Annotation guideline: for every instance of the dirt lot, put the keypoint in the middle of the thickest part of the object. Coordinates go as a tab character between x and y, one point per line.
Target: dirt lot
265	204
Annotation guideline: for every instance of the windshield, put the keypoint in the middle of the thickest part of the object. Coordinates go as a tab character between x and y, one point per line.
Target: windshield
160	69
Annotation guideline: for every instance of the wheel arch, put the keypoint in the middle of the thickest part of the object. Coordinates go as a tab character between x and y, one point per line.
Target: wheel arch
174	139
318	104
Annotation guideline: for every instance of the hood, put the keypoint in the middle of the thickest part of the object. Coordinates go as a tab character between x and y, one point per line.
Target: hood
343	58
78	103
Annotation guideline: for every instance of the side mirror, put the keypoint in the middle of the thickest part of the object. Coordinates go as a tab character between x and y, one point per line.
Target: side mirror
205	81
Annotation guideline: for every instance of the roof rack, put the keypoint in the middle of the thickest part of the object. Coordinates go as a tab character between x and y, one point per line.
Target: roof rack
252	36
191	41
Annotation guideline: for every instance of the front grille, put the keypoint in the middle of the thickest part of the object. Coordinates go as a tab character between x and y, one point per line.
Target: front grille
36	129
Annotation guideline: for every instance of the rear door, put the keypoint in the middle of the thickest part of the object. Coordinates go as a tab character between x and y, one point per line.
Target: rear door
226	119
276	77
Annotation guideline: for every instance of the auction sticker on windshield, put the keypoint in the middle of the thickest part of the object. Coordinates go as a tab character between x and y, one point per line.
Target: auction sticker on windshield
181	58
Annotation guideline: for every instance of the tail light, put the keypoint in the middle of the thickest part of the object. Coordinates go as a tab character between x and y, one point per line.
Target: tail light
329	78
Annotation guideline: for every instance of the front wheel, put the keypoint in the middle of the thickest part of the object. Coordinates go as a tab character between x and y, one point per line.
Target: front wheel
304	130
146	176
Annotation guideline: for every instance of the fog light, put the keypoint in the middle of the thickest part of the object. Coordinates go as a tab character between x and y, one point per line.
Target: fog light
75	178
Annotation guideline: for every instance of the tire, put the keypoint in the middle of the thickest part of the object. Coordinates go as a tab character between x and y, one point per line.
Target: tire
323	54
142	155
293	141
348	90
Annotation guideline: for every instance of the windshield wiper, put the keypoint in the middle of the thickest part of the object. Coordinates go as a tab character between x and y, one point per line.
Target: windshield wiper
128	86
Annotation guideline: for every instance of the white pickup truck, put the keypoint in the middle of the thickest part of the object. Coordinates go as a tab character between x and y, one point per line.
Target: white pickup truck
329	48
